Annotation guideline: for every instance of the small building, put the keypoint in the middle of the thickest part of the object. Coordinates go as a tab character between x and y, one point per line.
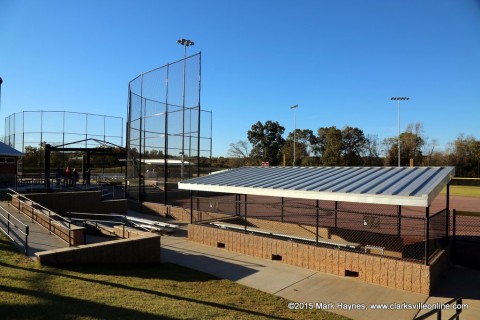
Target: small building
8	163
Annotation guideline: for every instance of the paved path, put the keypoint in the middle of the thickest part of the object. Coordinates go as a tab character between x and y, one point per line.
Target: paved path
303	285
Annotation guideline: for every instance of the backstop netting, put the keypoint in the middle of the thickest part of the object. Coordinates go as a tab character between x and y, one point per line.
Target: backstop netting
168	135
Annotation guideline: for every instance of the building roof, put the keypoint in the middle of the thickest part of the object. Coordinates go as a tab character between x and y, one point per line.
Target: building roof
411	186
6	150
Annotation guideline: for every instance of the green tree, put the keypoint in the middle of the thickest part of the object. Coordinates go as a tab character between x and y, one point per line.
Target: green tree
329	146
411	145
267	141
305	142
465	156
353	145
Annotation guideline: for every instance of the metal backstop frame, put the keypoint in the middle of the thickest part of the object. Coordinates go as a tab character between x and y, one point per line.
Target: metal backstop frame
169	136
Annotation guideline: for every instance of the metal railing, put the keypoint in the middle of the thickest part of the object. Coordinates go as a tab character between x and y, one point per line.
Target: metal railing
457	307
99	223
9	225
36	210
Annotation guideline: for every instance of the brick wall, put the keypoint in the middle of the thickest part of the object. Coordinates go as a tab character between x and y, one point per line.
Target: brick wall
380	270
138	250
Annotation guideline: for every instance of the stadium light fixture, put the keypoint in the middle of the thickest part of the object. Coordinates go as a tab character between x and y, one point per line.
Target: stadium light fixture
294	108
398	99
185	43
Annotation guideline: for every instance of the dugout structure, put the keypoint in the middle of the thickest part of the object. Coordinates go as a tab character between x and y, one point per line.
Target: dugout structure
169	136
384	225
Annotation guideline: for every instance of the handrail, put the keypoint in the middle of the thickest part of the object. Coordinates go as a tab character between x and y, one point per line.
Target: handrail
48	216
26	232
37	205
86	220
96	214
438	311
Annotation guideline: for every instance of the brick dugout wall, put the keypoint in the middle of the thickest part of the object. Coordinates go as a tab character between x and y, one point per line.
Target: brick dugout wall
380	270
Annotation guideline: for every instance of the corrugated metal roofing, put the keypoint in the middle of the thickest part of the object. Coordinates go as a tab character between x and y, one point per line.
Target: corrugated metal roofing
412	186
6	150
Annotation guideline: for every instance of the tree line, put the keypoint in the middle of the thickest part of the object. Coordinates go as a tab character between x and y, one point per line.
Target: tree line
349	146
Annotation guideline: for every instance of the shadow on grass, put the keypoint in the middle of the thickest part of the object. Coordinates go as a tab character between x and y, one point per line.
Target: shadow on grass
63	304
61	307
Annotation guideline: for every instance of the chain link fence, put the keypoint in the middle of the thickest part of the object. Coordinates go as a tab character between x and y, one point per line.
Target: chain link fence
466	234
30	131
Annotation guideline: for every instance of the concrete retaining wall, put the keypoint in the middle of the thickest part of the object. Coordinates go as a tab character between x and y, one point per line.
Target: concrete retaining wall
79	201
380	270
176	213
137	250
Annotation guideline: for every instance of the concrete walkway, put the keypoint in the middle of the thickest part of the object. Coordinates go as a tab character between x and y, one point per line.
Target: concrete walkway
335	294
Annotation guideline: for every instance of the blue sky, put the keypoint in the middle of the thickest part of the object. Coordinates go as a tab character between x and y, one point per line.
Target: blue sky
340	60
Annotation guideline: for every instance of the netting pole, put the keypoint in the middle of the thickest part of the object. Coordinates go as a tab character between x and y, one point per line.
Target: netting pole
427	234
141	153
165	156
199	114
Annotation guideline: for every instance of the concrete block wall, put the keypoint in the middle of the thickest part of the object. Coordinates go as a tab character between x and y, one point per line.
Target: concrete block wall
178	213
79	201
380	270
125	251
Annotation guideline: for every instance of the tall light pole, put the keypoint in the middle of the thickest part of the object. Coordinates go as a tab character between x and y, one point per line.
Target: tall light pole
1	81
294	129
185	43
398	104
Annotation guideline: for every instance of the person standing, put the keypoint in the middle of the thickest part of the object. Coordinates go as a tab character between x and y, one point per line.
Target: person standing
75	177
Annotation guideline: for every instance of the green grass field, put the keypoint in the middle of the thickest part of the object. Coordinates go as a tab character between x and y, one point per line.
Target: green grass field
465	191
162	291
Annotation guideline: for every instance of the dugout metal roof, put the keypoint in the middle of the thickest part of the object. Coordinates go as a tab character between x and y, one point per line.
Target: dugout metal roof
408	186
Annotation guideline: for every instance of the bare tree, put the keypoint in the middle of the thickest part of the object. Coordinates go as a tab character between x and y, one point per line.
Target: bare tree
240	154
240	149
